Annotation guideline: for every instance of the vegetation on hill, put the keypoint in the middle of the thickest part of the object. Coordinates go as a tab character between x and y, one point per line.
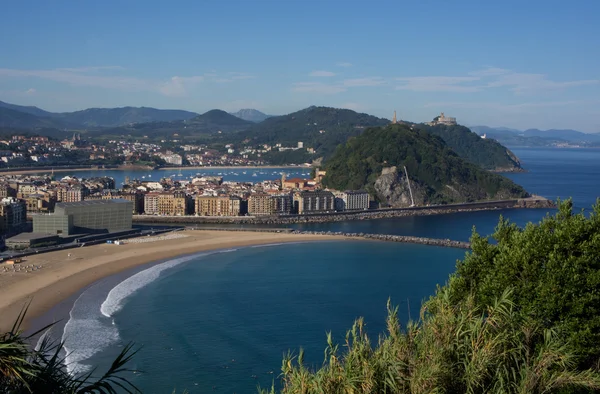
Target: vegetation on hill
22	120
216	120
111	117
486	153
321	128
431	164
519	316
27	109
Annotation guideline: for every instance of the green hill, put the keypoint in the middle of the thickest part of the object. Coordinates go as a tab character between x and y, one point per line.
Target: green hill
112	117
321	128
375	160
22	120
486	153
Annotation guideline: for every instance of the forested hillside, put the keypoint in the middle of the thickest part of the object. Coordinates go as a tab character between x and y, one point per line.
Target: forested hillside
438	174
486	153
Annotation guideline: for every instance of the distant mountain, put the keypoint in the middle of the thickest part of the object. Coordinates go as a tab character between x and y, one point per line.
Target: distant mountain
104	117
487	153
538	138
11	118
217	120
27	109
321	128
111	117
251	115
376	159
567	135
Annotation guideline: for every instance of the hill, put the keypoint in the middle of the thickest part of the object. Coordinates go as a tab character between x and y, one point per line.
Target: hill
22	120
487	153
538	138
321	128
99	117
251	115
111	117
217	120
375	160
26	109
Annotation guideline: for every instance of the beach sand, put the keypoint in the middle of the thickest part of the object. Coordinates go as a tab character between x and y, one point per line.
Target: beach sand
65	272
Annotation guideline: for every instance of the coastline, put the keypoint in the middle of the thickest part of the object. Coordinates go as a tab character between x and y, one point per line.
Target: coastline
139	168
61	276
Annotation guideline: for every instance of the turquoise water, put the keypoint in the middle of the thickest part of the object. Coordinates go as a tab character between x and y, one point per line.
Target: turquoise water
195	315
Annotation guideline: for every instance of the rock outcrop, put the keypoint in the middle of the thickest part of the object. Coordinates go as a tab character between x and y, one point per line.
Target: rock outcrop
393	190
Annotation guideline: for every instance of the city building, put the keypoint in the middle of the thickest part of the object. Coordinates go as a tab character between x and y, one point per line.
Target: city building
31	240
355	200
7	191
173	204
151	203
282	204
217	206
260	204
314	201
174	159
81	217
13	215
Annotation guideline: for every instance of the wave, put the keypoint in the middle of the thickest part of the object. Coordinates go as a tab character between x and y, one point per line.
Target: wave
88	332
115	298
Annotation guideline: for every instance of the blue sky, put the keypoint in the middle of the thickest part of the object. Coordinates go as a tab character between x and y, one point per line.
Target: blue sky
520	64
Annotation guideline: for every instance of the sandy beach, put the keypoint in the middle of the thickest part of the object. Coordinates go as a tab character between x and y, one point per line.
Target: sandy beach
64	273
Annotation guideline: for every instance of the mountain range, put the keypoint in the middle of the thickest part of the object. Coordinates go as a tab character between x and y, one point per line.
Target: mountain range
536	137
251	115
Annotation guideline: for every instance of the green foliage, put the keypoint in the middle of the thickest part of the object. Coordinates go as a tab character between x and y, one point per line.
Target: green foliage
458	347
25	370
486	153
554	268
299	156
321	128
357	164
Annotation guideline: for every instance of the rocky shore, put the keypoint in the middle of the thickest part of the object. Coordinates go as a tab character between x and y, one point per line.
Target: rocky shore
534	202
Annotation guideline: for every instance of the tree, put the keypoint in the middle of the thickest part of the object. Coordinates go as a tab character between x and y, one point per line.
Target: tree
554	268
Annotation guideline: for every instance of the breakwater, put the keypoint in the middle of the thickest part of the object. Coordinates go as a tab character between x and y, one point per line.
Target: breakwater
348	215
378	237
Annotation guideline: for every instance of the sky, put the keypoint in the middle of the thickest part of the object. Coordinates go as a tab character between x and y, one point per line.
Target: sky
518	64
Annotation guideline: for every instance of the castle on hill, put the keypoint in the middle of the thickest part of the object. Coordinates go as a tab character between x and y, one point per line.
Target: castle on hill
442	119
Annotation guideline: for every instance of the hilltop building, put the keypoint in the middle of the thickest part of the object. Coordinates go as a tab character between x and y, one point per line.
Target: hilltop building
442	120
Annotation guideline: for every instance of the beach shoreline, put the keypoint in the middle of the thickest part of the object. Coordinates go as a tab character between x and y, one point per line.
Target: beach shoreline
65	273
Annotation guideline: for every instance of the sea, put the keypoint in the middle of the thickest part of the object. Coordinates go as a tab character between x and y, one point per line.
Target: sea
221	322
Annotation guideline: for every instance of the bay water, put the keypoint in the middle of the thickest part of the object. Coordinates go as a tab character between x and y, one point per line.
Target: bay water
221	322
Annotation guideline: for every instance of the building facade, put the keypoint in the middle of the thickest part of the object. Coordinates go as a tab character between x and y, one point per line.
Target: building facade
13	215
355	200
86	217
260	204
217	206
314	201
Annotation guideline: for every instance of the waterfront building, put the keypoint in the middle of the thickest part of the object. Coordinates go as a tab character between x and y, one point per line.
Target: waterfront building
13	215
355	200
86	217
314	201
217	206
135	196
173	203
282	204
151	203
260	204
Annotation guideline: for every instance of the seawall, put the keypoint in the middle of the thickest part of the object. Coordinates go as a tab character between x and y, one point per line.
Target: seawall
379	237
348	215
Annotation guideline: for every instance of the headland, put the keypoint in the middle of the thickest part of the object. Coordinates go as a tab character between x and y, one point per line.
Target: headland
56	276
